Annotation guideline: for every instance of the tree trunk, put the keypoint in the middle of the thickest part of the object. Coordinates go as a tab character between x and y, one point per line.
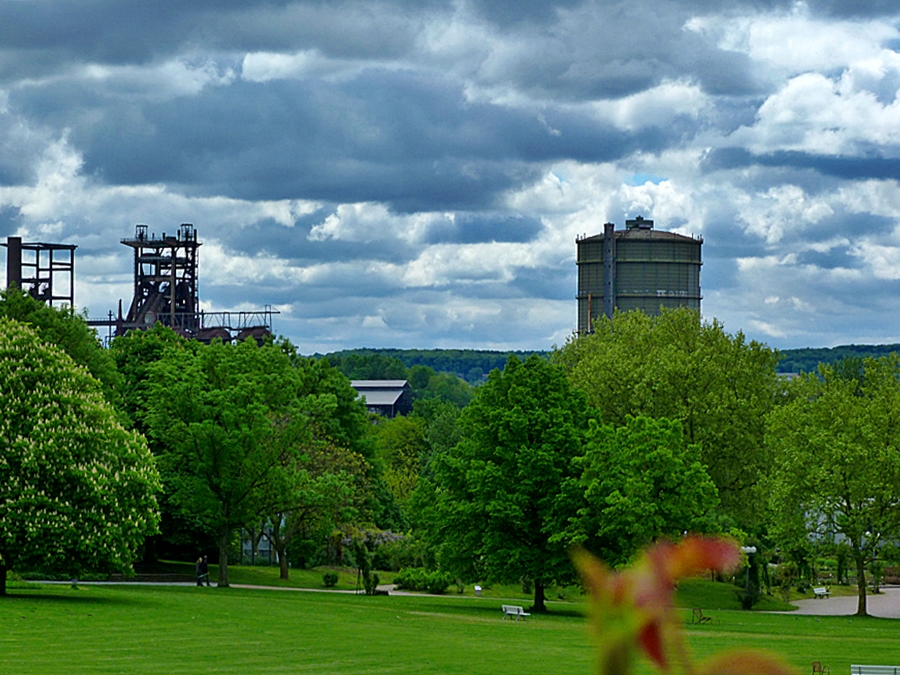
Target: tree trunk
282	563
539	605
861	584
223	561
2	580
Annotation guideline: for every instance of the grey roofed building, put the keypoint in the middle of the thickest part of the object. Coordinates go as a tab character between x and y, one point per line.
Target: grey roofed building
387	398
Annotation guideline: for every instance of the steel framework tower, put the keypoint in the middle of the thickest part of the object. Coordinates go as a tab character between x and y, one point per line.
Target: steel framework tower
44	271
165	280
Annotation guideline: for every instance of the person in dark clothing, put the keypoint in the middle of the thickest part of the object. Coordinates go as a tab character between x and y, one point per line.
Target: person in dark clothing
202	570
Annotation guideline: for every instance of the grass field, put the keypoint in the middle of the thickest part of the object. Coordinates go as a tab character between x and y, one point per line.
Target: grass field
142	629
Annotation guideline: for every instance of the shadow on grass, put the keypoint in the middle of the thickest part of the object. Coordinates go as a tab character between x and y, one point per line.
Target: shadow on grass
65	595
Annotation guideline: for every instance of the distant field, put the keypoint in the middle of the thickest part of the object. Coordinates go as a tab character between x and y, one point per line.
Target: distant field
140	629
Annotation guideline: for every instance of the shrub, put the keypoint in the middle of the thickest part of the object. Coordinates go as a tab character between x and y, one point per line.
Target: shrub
411	578
438	582
330	579
417	579
395	554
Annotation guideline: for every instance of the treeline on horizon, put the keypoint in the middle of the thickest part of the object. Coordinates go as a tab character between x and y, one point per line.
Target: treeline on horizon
807	360
473	365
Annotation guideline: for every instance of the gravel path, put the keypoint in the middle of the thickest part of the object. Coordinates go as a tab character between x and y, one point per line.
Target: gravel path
886	604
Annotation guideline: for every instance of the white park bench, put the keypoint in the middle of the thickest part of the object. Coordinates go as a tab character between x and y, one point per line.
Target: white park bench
874	670
514	611
821	592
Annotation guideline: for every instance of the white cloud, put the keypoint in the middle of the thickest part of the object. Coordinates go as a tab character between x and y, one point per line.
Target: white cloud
267	66
884	261
657	106
767	328
369	222
814	113
795	42
781	209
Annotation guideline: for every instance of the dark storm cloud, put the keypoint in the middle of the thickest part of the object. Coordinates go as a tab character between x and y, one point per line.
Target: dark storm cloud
853	168
835	258
55	33
293	244
612	50
393	137
20	149
841	224
578	50
267	237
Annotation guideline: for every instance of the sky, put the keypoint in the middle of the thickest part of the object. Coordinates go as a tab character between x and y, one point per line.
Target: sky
390	173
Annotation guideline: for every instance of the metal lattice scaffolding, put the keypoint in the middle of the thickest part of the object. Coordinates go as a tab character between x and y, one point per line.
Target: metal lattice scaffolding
44	271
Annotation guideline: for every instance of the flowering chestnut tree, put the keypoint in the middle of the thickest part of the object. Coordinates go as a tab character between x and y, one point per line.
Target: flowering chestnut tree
76	488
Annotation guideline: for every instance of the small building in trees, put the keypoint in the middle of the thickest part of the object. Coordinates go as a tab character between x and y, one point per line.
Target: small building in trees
636	268
387	398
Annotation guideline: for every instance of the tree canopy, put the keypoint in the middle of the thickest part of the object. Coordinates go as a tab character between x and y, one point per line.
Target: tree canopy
76	488
424	381
68	331
676	366
641	481
226	420
836	460
511	483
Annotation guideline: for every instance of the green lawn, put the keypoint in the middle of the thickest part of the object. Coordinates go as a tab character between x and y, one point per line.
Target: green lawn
141	629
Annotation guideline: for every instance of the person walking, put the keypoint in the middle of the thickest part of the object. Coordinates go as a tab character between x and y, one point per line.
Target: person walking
202	570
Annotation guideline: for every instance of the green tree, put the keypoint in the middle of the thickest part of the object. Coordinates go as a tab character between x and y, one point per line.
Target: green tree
511	483
68	331
836	460
368	366
310	503
343	419
402	447
134	353
641	482
441	427
76	488
676	366
227	420
428	384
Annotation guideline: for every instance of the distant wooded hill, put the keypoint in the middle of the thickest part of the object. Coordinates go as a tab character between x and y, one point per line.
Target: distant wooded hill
473	365
807	360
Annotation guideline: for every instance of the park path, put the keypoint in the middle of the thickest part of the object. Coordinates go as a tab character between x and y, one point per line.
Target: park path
886	604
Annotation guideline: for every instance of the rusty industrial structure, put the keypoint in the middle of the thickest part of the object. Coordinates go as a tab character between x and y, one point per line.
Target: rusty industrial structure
45	271
165	286
636	268
165	291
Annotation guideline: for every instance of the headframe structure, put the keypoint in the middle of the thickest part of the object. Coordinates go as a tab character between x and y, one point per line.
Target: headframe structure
166	292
